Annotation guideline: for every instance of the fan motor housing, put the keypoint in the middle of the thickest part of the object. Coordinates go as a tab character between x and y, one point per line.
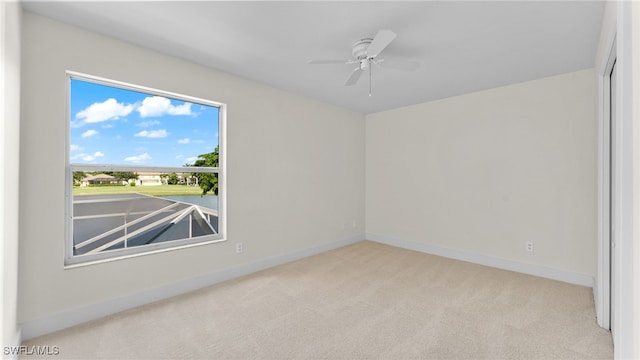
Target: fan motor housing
360	48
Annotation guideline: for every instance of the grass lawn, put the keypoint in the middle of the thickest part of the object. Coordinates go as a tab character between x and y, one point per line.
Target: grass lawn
159	190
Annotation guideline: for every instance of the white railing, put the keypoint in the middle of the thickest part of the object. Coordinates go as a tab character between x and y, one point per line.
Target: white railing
172	219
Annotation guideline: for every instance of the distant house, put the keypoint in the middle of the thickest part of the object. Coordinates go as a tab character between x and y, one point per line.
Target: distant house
149	179
98	179
188	179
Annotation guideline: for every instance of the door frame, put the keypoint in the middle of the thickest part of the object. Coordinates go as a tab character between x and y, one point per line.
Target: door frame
602	290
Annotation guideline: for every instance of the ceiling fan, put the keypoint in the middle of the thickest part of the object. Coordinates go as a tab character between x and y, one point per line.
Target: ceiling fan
365	52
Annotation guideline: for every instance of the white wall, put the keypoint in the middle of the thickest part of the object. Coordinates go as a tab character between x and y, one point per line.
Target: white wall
479	175
295	172
10	17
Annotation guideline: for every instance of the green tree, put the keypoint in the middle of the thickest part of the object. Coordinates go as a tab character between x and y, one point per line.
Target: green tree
123	175
208	181
172	179
78	176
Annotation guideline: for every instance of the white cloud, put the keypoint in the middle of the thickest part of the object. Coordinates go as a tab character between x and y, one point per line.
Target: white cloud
184	109
88	157
107	126
74	147
109	109
153	133
199	141
159	106
184	141
148	123
89	133
178	156
138	158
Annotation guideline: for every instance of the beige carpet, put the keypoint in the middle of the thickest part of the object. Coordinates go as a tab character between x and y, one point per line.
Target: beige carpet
364	301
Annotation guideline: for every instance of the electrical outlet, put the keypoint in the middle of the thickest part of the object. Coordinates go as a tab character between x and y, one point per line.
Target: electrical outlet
239	248
529	246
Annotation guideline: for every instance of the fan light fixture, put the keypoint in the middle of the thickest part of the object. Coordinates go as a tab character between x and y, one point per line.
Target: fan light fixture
365	51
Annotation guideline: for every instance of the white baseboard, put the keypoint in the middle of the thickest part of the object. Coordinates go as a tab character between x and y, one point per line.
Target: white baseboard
65	319
511	265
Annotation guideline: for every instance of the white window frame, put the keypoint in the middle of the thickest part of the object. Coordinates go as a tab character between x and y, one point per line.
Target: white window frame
71	260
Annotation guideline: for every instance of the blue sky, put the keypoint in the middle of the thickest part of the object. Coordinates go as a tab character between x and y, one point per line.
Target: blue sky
116	126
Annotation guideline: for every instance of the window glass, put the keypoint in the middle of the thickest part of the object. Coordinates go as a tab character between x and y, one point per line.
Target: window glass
144	169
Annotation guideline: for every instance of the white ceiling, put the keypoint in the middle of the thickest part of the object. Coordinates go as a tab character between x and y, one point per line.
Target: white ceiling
462	46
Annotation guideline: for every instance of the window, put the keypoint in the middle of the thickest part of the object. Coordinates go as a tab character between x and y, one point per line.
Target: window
145	170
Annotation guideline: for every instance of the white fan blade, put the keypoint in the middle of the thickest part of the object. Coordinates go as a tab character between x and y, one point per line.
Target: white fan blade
382	40
353	79
399	64
331	62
